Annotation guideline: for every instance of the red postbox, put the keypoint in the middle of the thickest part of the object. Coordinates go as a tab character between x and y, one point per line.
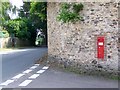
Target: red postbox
100	47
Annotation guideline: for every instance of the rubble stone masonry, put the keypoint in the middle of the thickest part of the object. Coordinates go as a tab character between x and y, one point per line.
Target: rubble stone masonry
75	44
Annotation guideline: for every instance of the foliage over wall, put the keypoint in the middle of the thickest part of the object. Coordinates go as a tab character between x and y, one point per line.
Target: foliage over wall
70	12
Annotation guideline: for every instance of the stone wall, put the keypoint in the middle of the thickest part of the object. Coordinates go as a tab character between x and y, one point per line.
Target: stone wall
7	42
75	44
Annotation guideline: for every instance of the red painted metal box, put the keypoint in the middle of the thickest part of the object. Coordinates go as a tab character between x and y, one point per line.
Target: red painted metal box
100	47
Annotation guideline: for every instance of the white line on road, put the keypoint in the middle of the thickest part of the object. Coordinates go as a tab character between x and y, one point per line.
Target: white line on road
18	76
27	71
33	67
40	71
7	82
25	83
34	76
12	51
0	88
45	67
37	64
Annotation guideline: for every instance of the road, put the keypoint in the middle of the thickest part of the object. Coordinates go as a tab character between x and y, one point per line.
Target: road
19	71
47	77
18	60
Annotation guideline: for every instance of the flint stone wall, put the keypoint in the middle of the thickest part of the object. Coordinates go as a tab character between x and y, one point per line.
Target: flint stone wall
75	44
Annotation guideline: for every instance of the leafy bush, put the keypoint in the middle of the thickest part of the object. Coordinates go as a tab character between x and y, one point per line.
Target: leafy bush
77	7
18	28
65	6
70	12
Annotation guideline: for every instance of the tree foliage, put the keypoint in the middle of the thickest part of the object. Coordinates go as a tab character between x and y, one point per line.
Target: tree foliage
70	12
3	12
38	13
32	16
24	11
6	7
18	27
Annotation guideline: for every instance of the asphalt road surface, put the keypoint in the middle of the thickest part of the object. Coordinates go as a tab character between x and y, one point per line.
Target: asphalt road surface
14	62
44	76
19	71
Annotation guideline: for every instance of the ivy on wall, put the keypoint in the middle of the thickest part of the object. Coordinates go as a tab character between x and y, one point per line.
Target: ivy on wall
70	12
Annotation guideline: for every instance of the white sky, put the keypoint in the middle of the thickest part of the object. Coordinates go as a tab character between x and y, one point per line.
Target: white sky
17	3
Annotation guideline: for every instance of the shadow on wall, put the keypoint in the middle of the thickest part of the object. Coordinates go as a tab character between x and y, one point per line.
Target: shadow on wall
9	42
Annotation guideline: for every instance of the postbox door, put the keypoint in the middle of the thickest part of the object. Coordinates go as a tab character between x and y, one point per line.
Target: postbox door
100	47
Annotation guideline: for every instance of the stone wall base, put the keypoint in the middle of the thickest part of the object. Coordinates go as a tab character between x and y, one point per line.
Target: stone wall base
90	69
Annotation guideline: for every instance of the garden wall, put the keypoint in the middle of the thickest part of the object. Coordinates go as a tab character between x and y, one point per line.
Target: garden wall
7	42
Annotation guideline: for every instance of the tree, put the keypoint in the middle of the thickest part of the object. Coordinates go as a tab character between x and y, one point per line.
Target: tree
38	15
18	27
5	6
35	14
32	16
24	11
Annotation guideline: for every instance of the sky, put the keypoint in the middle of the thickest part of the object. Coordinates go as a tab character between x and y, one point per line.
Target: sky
18	4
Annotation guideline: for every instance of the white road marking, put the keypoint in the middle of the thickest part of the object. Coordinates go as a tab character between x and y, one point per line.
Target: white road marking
3	52
33	67
0	88
12	51
18	76
40	71
27	71
34	76
7	82
25	83
37	64
45	67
